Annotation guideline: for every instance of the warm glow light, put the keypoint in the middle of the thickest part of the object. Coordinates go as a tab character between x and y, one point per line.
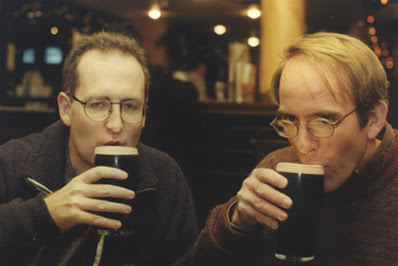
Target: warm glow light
253	41
370	19
390	63
383	2
372	31
374	39
154	12
220	29
383	45
54	30
30	14
378	51
253	12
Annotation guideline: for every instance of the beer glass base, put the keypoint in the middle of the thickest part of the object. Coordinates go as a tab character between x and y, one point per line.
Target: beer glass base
293	258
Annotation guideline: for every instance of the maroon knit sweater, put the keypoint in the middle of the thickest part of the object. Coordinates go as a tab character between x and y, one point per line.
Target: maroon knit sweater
359	223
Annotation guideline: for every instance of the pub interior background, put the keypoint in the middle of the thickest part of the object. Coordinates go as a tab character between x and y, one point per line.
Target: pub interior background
222	135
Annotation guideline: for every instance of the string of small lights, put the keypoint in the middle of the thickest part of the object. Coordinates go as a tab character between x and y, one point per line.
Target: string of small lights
380	47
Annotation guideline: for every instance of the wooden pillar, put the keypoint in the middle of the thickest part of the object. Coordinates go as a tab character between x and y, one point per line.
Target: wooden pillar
282	21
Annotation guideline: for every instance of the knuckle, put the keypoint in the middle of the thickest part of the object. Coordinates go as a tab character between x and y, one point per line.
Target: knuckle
101	206
246	182
74	203
97	171
261	190
258	204
96	220
105	191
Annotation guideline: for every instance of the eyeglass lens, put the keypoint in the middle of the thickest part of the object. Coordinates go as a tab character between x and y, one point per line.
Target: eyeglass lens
100	109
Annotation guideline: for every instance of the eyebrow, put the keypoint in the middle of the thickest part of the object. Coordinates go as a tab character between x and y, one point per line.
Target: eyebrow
109	99
316	114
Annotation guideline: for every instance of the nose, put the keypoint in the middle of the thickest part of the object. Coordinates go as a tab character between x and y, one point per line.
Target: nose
114	121
304	142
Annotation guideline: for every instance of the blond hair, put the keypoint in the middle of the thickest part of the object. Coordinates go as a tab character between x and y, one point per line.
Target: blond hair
342	60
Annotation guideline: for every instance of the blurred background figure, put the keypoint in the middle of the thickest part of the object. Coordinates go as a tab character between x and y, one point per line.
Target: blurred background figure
171	109
196	74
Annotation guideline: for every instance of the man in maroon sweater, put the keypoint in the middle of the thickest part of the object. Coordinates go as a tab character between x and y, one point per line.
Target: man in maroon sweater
333	103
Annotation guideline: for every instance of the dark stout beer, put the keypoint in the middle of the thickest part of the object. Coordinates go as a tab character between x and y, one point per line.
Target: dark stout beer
126	159
296	235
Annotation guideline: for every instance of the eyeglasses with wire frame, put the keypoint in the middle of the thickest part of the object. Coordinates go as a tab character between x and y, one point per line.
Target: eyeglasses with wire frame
319	127
99	109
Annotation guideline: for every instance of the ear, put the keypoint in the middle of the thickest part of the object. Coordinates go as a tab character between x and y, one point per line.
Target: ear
377	119
143	122
64	106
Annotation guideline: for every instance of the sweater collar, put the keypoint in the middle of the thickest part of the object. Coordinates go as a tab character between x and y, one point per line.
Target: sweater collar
378	171
387	137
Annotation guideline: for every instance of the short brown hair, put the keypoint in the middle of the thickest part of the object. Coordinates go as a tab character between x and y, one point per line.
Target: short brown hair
103	42
350	62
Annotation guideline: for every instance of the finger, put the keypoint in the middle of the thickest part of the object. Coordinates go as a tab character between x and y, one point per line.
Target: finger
108	191
248	210
98	220
269	176
97	205
94	174
260	185
268	193
262	206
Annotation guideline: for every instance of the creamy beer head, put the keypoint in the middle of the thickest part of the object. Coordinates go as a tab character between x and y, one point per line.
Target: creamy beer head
119	150
308	169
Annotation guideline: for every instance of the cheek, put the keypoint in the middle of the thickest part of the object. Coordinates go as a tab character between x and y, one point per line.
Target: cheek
133	133
344	156
85	133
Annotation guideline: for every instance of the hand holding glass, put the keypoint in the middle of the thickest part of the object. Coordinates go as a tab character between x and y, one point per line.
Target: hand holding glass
126	159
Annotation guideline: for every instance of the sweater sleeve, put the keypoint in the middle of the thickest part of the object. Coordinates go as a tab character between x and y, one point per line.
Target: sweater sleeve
219	244
25	226
25	223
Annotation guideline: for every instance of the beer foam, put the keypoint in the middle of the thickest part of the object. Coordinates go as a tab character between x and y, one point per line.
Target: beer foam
119	150
310	169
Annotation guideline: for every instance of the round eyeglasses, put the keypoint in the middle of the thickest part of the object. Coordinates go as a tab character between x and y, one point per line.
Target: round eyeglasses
99	109
319	127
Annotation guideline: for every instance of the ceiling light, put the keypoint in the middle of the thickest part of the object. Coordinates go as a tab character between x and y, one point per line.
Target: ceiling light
154	12
220	29
253	12
253	41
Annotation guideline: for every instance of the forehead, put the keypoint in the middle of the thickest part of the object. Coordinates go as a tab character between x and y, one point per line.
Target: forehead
301	85
101	73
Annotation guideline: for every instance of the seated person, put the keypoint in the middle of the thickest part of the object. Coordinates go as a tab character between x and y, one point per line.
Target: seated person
55	221
333	101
